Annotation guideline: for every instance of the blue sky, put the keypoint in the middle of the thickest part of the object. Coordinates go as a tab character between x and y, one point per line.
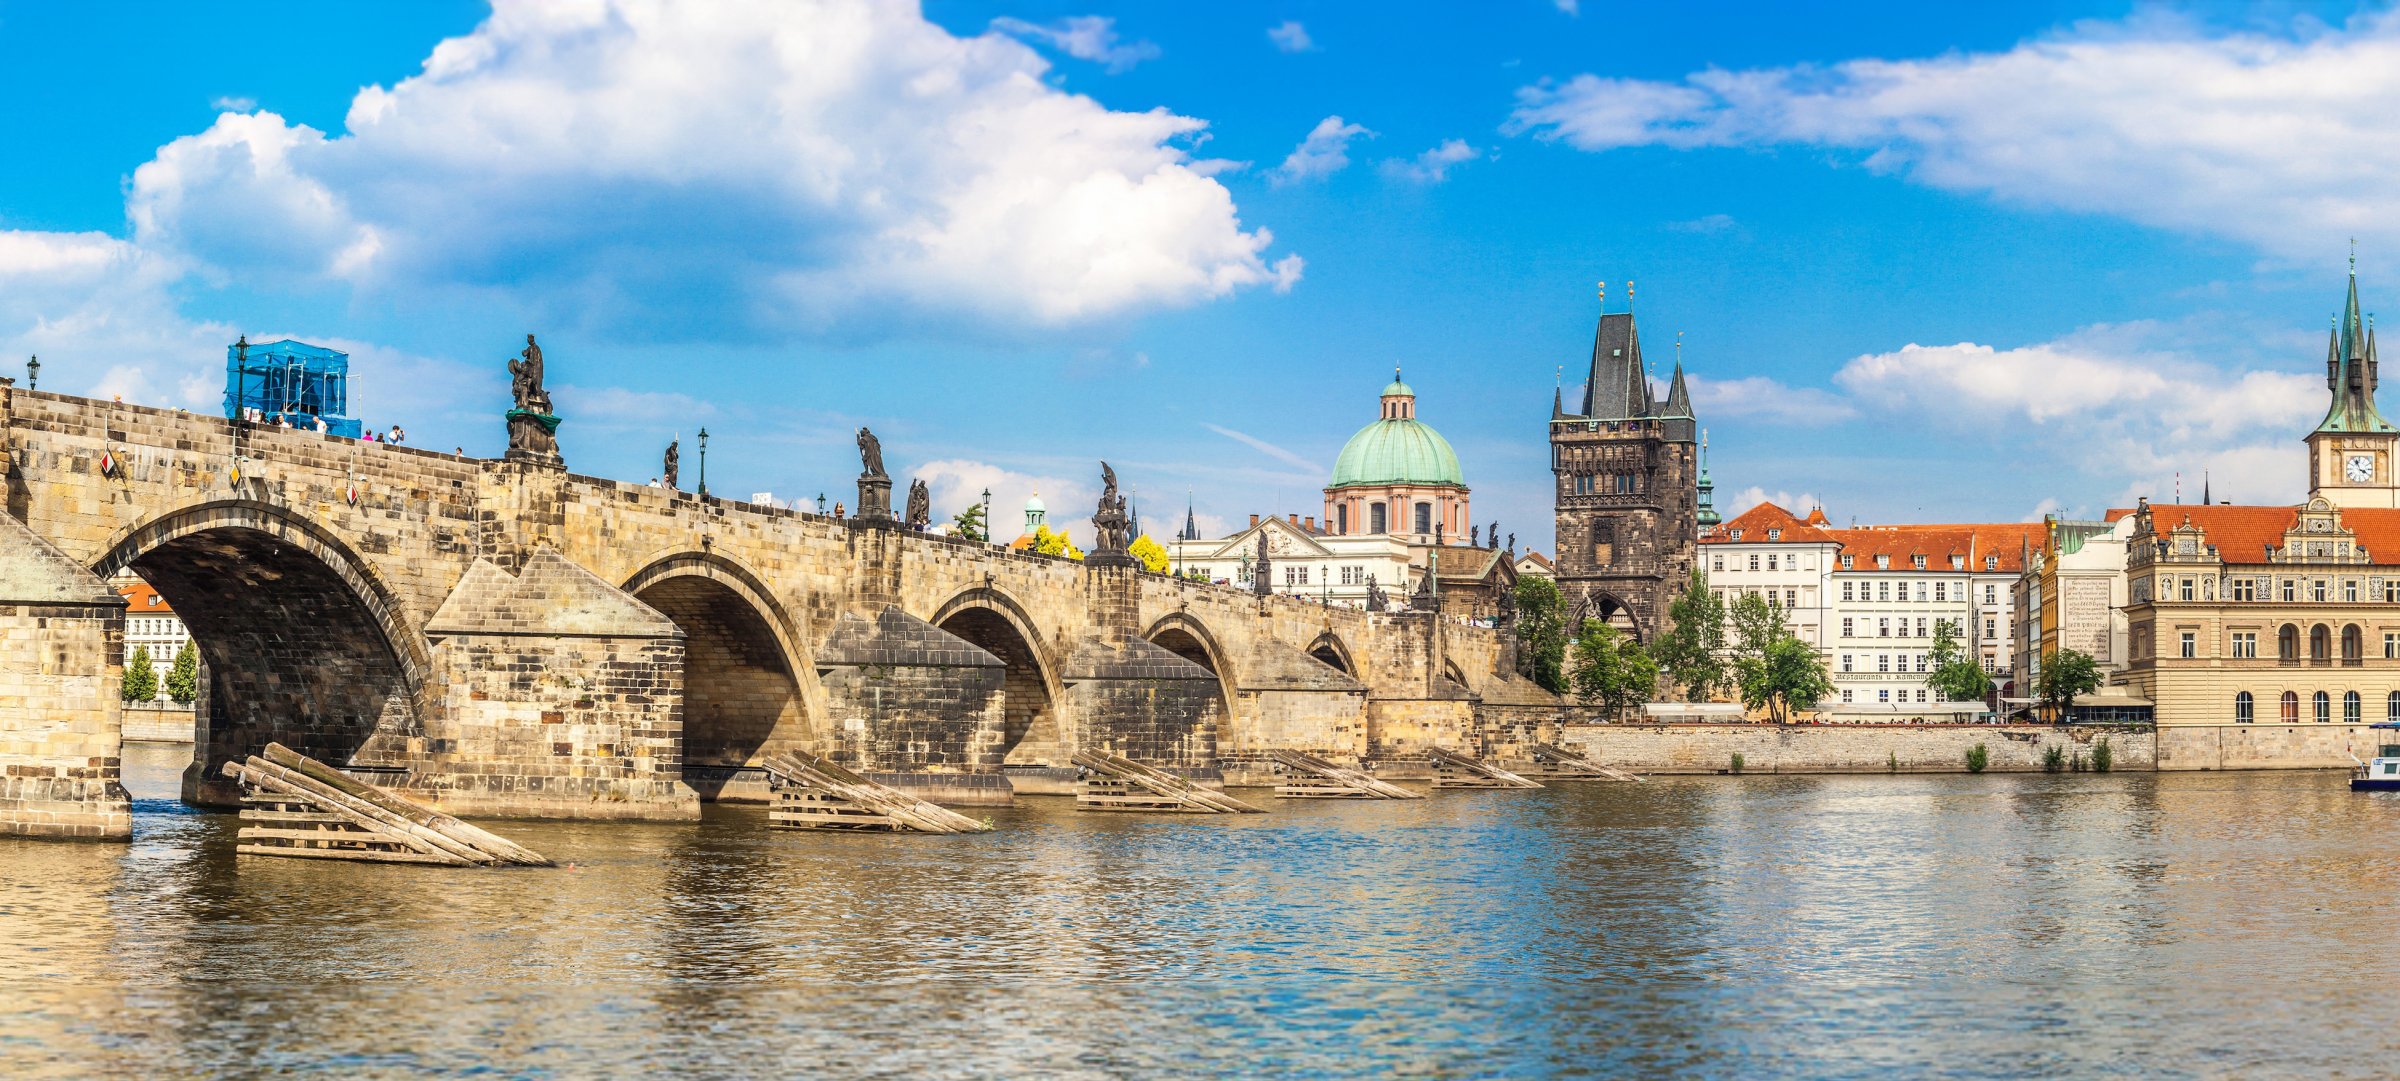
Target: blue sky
1931	262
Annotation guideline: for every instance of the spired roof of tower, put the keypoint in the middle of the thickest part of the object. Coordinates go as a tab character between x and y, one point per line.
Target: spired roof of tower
2350	372
1618	389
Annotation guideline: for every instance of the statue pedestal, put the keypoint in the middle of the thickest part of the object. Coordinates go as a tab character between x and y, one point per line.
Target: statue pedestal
1117	558
874	499
533	439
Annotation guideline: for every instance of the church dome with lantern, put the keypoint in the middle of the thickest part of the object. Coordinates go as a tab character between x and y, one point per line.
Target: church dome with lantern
1397	475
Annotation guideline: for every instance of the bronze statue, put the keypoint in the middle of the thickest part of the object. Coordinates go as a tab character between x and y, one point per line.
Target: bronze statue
870	453
674	459
1110	525
920	505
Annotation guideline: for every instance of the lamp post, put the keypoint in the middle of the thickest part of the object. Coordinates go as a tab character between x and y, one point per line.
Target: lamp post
703	463
820	502
987	516
33	373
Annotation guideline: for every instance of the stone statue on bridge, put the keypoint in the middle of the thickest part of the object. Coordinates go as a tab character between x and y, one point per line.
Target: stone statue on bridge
1262	578
1112	528
1376	601
532	427
874	485
920	505
673	463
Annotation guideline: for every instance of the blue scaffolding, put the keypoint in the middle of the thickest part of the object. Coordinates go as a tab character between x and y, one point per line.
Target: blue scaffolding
295	381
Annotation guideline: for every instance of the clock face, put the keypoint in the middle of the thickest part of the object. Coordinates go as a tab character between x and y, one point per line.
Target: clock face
2359	467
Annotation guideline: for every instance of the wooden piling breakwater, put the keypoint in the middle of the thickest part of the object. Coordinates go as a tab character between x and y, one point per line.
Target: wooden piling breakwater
1114	783
294	805
1557	763
812	793
1454	770
1310	777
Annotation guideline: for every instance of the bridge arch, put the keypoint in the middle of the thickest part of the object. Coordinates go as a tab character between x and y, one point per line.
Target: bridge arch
303	642
1031	693
1610	609
1186	637
1329	648
742	661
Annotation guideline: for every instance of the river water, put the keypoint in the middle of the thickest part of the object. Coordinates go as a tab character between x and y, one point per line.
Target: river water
2179	925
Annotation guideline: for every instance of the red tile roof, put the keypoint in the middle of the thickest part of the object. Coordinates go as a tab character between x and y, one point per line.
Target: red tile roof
140	599
2243	534
1753	526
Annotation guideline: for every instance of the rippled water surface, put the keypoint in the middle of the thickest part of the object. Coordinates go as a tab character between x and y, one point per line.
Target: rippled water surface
2206	925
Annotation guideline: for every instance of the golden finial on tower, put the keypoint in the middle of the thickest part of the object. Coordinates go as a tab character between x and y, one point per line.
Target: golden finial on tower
1629	294
1604	298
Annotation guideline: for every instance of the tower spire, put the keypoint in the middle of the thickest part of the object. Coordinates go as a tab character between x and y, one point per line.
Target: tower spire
2350	371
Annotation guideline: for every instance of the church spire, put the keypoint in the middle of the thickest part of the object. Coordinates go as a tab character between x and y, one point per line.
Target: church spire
1679	400
1705	506
2350	370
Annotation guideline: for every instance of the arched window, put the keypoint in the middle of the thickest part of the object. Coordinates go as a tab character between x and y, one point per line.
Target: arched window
1424	517
2391	707
2350	642
2241	706
2291	706
2349	707
2287	640
2320	642
2320	707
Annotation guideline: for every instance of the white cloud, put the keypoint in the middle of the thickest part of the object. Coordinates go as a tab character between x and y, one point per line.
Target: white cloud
955	483
2283	141
99	313
232	104
1432	166
1759	397
1571	7
833	166
1754	495
1325	152
1291	37
1268	449
1084	37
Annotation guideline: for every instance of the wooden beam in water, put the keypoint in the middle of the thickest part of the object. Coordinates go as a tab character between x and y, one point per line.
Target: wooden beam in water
814	793
294	805
1454	770
1564	764
1115	783
1315	778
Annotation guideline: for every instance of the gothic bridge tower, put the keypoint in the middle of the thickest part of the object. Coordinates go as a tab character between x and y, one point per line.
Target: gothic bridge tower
1625	469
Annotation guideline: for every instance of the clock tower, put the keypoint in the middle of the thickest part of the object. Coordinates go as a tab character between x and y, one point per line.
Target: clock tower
2351	453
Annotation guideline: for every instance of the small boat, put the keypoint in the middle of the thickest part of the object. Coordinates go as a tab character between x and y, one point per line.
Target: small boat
2381	773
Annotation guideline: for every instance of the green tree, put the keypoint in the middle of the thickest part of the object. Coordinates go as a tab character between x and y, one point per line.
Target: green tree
1152	554
1054	544
183	680
1783	676
141	679
970	525
1692	652
1957	675
1541	633
1756	625
1611	670
2066	673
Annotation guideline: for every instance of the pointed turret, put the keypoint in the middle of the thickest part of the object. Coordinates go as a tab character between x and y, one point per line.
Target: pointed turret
1706	503
1679	400
2350	371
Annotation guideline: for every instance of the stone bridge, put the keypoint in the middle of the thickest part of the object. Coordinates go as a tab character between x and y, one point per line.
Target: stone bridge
503	637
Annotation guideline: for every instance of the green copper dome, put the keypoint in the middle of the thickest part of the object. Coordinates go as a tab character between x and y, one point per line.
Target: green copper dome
1403	451
1396	388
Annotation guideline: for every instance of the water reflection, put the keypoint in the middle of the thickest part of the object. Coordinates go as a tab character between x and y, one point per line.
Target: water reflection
2178	925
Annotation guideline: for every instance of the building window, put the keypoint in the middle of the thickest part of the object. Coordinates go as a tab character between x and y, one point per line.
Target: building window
1883	662
2391	591
2320	642
1883	628
1991	629
2287	641
2291	708
2244	590
1921	661
1754	561
1846	697
2349	707
2391	707
2187	589
1846	592
1377	522
1920	626
2245	644
2320	707
1883	696
2316	590
2289	593
1846	622
1883	562
2391	646
1770	555
1716	563
1424	517
1918	562
2352	649
1938	588
1847	562
1846	662
1791	598
2241	708
1920	591
2191	645
1774	535
2350	590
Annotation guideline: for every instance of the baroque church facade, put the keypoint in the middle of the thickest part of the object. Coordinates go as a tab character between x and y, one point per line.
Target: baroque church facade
1626	470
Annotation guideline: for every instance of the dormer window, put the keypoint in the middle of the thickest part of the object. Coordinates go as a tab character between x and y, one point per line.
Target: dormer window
1775	534
1846	562
1958	563
1917	561
1736	534
1991	563
1883	563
